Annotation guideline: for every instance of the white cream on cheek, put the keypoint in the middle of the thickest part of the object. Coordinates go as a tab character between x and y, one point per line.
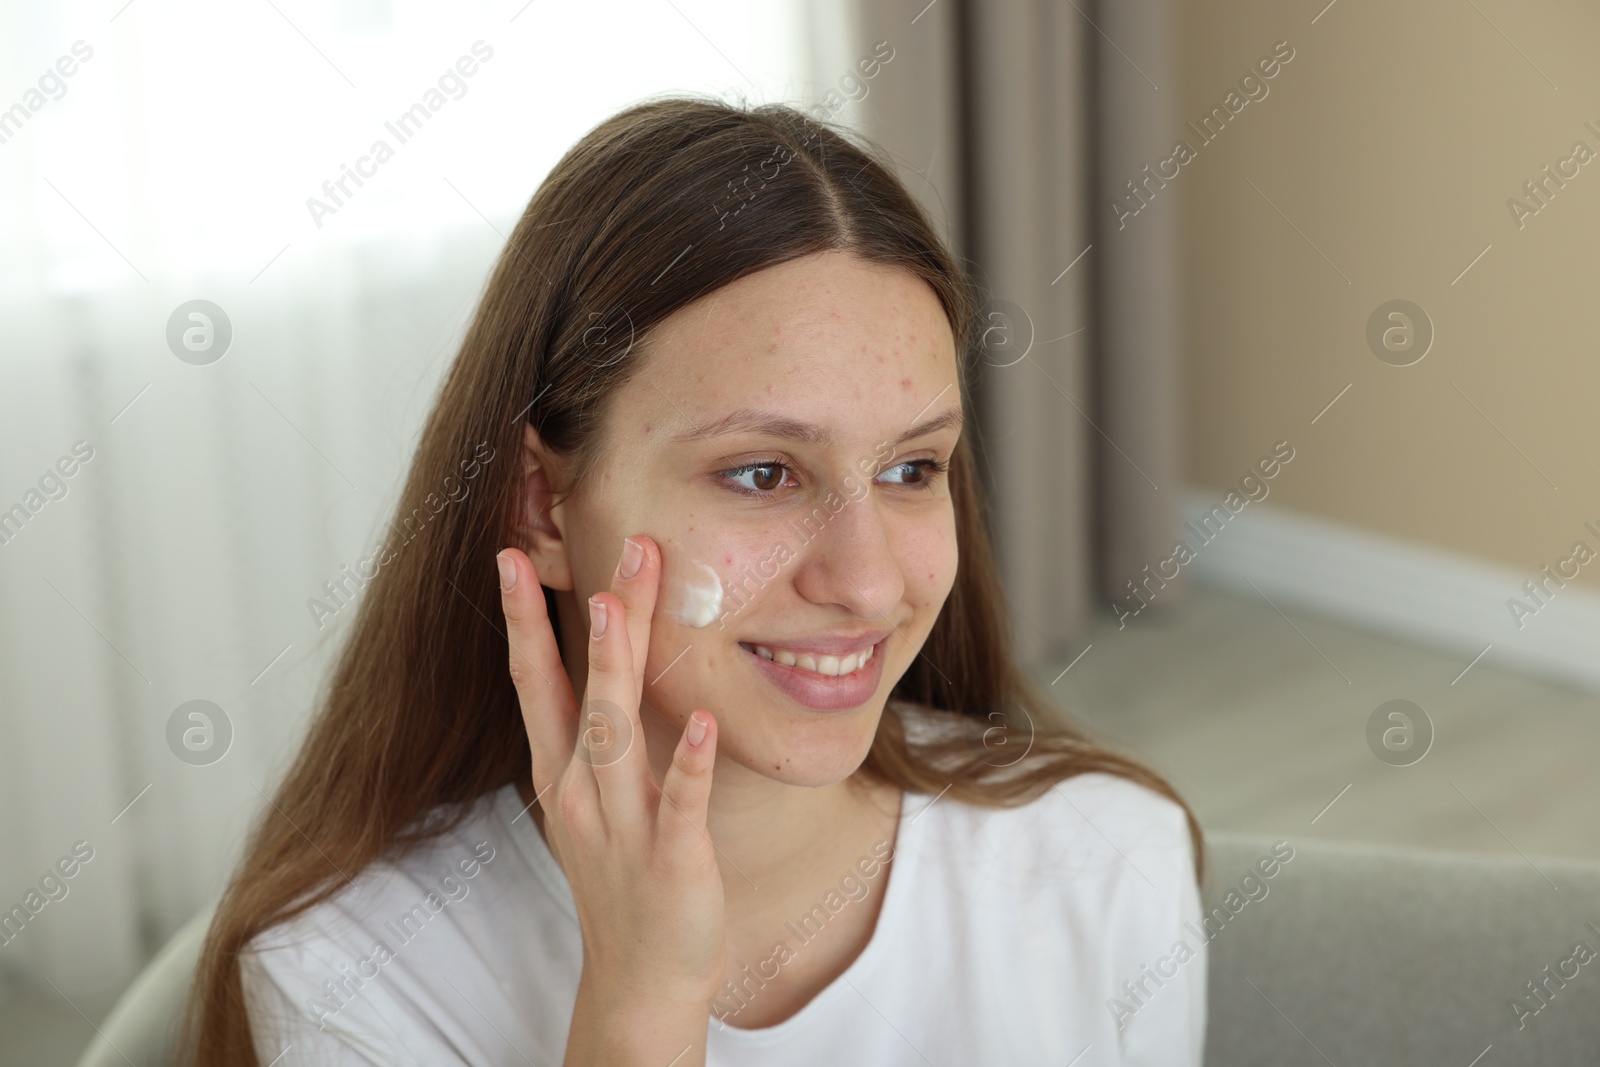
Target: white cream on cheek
696	599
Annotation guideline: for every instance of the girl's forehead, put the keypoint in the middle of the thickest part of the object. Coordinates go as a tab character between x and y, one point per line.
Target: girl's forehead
819	410
827	346
826	301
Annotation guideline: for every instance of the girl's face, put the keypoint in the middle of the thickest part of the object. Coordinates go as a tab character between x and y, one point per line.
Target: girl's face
783	441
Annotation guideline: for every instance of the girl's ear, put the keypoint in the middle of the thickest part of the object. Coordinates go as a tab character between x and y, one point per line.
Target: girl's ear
541	525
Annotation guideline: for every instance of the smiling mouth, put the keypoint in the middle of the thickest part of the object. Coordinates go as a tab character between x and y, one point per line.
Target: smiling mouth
826	666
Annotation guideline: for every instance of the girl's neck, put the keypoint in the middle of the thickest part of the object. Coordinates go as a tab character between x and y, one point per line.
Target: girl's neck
768	833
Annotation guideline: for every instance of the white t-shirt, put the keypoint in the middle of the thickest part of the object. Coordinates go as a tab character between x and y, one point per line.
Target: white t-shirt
1047	934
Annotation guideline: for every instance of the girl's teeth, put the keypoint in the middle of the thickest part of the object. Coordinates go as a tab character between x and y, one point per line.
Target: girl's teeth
831	666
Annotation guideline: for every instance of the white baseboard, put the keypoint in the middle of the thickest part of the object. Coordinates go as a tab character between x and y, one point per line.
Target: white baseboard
1425	596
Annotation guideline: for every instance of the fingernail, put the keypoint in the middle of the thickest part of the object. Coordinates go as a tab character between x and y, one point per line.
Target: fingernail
508	573
632	557
697	730
597	617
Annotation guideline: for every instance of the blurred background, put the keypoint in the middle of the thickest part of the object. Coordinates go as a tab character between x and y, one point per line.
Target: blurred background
1298	286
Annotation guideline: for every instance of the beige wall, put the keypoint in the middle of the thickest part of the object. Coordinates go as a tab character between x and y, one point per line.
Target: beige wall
1393	140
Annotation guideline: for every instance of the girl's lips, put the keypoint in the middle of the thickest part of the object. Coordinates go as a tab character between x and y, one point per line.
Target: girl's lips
822	692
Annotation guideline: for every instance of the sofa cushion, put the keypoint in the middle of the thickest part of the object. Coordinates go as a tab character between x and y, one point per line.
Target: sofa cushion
1357	955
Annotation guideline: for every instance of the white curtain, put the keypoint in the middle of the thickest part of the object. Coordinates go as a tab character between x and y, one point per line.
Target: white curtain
174	563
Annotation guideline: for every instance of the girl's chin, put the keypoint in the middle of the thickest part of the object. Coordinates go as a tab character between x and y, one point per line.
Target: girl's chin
792	745
802	758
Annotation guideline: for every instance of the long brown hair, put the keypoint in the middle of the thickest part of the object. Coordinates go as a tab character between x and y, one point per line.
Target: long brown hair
663	203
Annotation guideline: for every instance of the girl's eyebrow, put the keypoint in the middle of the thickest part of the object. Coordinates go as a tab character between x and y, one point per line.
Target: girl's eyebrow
772	424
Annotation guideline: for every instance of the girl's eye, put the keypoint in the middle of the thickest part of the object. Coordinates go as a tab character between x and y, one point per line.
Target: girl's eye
767	477
757	478
920	473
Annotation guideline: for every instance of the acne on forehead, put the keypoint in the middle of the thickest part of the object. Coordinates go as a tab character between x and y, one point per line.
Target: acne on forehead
791	335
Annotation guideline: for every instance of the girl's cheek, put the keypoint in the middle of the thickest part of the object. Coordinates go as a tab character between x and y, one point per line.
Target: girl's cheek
929	557
696	599
952	561
707	577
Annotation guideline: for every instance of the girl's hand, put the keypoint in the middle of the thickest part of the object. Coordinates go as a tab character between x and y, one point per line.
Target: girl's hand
635	852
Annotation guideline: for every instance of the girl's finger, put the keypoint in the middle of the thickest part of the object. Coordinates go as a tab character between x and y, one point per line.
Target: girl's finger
686	790
636	582
543	689
610	739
